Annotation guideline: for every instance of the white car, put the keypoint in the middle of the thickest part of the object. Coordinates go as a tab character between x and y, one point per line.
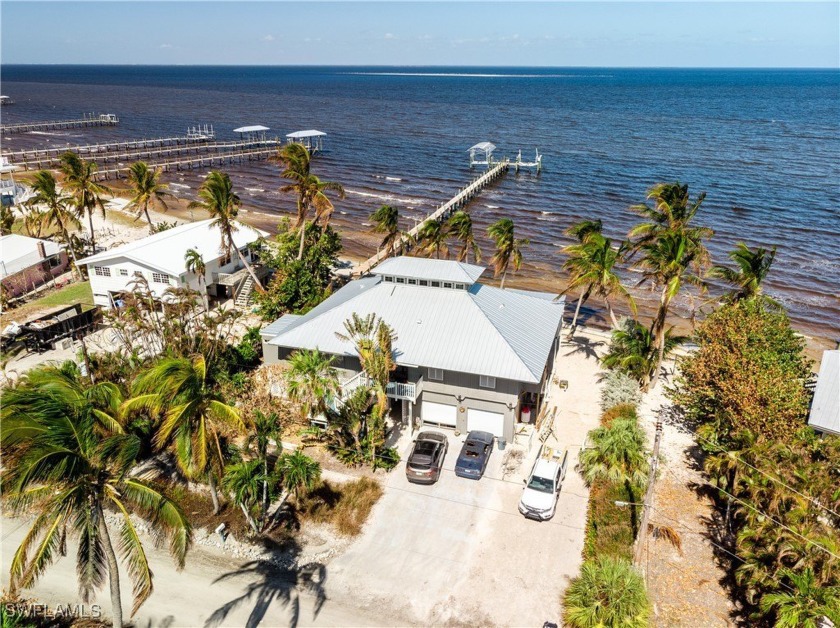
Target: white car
539	498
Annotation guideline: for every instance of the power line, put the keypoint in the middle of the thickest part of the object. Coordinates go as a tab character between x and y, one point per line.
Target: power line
764	473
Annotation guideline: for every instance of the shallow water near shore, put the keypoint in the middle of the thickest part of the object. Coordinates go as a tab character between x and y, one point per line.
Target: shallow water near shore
764	145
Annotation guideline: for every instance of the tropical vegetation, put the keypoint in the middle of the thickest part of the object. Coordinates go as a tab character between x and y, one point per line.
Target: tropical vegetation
608	592
87	194
146	190
508	248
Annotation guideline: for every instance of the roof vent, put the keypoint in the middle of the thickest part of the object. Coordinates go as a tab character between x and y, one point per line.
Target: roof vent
419	321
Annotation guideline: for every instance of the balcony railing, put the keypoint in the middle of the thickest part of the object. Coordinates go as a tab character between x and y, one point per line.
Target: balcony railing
395	390
404	390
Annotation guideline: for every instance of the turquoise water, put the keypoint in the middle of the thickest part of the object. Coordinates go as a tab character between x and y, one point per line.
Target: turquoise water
764	145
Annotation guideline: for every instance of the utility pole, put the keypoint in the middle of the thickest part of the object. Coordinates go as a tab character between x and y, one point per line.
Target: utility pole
647	505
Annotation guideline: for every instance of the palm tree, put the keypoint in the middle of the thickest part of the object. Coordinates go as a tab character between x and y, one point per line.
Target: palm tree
806	605
194	263
7	220
310	190
217	198
146	189
508	248
633	351
79	179
432	237
192	415
752	267
243	480
608	592
266	427
34	221
299	472
386	220
670	260
69	459
46	193
672	211
581	231
617	455
591	266
461	227
310	380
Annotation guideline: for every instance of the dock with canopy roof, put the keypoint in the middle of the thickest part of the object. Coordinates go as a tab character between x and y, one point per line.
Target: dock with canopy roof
312	139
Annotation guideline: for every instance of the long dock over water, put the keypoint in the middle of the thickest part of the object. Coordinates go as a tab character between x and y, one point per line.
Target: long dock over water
177	152
88	120
459	201
204	161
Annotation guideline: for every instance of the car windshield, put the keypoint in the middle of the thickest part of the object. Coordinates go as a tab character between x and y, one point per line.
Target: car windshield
424	454
543	485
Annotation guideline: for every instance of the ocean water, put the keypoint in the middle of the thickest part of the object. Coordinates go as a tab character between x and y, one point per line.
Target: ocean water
763	144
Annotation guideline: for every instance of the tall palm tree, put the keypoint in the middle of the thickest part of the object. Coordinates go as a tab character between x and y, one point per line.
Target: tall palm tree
34	221
216	196
608	592
806	605
146	189
194	263
192	415
310	190
310	380
46	193
672	211
633	351
591	266
751	269
243	480
386	220
461	227
79	180
299	472
508	248
69	459
432	237
266	428
617	455
670	260
582	230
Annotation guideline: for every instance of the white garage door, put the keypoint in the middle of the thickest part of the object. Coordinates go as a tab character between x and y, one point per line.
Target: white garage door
493	422
439	413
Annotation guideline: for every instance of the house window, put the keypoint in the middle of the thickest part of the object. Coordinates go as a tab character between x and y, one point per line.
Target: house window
389	279
447	285
485	381
424	282
436	375
160	278
400	279
435	284
459	286
101	271
55	261
123	272
412	282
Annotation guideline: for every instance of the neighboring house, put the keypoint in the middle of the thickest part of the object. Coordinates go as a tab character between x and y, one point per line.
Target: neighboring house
26	263
159	258
825	408
469	356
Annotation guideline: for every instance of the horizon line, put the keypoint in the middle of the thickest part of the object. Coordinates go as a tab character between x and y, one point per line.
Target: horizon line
376	65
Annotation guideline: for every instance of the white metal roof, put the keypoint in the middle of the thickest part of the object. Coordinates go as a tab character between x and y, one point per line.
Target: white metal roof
485	146
825	408
165	250
483	331
432	269
309	133
251	129
18	252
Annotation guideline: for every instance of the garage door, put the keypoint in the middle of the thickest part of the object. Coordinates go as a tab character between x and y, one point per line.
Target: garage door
493	422
439	413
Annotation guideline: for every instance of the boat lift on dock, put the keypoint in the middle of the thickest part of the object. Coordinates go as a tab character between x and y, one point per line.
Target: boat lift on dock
482	155
312	139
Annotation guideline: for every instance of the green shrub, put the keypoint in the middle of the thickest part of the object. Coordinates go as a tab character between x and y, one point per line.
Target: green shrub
608	592
619	388
621	411
609	528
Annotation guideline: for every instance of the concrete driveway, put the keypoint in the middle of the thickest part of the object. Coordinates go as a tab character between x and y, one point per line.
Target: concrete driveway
459	552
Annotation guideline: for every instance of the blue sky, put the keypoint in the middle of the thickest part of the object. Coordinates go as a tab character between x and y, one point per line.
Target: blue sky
586	33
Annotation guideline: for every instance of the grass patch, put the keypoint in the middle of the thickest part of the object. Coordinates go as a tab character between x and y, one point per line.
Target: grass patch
78	292
609	529
345	506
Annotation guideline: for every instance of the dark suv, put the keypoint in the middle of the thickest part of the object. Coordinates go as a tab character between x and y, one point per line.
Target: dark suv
426	459
474	455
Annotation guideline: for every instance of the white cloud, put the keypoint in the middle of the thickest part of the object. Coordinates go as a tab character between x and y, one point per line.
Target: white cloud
268	38
390	36
166	45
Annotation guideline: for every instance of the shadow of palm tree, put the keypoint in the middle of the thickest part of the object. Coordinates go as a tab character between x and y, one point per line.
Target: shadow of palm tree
581	344
270	584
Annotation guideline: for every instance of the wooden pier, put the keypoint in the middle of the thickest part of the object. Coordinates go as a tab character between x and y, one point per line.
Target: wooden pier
179	151
457	202
104	119
204	161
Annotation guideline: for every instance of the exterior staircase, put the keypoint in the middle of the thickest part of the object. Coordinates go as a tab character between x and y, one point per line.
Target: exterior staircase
245	295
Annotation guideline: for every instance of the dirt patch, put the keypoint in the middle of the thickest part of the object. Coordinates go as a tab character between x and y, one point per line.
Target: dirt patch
345	506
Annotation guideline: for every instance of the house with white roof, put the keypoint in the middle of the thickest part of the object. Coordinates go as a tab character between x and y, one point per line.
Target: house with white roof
159	259
26	263
825	407
470	356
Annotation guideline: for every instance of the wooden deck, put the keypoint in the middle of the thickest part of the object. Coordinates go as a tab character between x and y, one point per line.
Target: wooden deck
459	201
57	125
